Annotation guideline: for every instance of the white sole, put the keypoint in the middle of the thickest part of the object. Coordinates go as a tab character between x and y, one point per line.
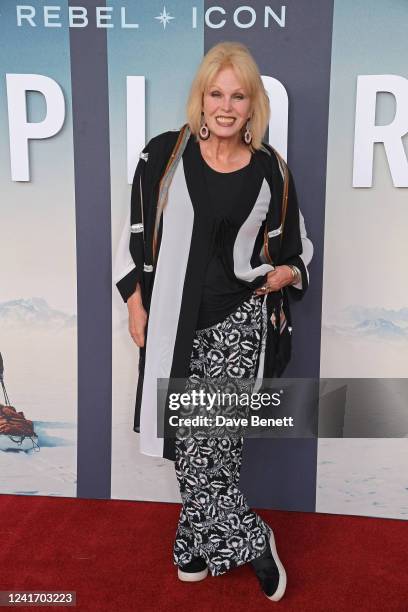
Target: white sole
280	591
192	576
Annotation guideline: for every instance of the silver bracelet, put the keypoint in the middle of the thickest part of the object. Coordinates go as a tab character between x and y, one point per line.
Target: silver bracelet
295	274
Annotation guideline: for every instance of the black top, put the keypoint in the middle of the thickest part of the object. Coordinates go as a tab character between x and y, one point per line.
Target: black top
222	291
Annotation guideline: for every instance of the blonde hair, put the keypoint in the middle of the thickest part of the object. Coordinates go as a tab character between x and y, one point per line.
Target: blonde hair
237	56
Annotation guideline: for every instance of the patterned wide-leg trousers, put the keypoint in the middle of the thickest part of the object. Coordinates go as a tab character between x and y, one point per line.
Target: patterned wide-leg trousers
215	522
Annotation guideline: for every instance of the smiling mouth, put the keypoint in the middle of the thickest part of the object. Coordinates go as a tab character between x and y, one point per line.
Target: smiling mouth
225	121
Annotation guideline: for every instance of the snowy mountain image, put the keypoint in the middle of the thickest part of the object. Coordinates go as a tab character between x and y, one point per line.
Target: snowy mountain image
361	313
381	323
33	312
365	342
381	328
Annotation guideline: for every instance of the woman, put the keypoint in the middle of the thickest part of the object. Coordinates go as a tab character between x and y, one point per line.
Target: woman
214	236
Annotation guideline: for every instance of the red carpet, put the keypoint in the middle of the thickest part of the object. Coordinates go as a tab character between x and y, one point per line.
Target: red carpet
116	555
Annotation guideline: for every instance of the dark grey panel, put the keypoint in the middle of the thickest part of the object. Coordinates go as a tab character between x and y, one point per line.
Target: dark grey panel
90	107
282	473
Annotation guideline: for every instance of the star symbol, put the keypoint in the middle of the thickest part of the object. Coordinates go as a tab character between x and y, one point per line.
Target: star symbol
164	17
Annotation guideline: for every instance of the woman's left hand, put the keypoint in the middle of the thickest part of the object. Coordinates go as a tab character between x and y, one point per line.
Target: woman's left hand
275	280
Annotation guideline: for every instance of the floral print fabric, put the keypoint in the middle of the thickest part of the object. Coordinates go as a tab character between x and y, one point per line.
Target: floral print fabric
215	521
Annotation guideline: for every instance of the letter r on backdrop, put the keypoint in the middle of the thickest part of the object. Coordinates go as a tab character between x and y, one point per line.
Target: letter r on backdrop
367	133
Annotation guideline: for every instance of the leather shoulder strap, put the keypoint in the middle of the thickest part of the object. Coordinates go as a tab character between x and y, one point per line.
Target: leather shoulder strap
283	167
166	178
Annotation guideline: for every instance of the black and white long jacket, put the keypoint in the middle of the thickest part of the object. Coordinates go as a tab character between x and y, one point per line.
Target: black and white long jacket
171	281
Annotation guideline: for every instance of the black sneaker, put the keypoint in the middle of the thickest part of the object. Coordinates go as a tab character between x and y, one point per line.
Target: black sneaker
270	572
194	571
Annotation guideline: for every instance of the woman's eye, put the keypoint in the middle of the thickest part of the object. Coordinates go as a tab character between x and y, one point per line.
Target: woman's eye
216	94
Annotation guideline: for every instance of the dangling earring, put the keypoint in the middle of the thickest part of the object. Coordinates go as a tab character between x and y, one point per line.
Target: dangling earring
204	132
247	134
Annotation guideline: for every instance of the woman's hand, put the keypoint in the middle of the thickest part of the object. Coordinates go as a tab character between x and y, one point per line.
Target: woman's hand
137	317
275	280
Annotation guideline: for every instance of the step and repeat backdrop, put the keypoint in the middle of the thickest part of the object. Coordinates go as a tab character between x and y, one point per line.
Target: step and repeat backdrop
83	86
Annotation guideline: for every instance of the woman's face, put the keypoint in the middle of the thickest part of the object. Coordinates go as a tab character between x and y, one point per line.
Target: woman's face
226	105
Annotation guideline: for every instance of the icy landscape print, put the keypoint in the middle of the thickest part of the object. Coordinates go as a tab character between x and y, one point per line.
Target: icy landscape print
365	292
39	349
38	301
